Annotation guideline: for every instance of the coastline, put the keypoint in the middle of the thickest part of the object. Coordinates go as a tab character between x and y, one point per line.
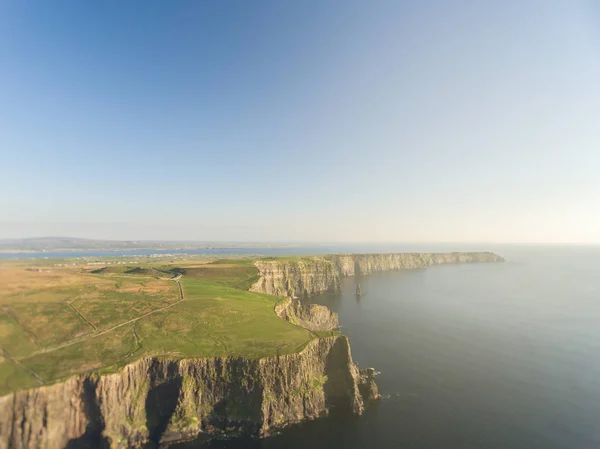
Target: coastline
214	396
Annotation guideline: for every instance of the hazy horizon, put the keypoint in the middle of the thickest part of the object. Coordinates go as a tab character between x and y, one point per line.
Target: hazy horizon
385	121
308	242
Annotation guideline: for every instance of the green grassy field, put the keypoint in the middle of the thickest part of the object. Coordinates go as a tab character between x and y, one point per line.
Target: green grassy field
60	319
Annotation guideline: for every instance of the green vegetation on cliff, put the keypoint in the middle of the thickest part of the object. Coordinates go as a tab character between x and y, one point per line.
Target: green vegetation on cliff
68	317
56	321
146	352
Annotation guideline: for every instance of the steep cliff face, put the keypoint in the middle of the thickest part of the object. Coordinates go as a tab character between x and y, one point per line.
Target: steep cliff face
312	316
159	400
300	277
320	274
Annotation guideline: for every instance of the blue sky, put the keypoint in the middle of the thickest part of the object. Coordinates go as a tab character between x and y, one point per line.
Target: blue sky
304	121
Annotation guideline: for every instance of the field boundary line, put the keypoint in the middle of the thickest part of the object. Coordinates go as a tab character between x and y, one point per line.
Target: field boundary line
97	334
82	317
28	331
37	378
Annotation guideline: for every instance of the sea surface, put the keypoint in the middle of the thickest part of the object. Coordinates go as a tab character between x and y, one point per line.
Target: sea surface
471	356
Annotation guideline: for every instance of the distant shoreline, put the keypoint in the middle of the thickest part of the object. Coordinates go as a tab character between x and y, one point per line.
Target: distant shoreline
196	248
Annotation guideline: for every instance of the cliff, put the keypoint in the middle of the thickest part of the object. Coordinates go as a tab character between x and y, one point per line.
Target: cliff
302	277
309	276
312	316
159	400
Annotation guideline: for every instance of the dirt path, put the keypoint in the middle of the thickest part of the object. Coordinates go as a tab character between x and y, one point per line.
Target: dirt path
106	331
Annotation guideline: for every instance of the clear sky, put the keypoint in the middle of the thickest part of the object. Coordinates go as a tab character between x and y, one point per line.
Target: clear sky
301	120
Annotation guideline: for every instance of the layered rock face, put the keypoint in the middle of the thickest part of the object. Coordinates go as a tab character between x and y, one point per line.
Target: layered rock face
308	276
312	316
300	277
158	400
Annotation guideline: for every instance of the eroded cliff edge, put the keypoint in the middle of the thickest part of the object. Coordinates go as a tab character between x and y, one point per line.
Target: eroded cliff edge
313	317
160	400
312	275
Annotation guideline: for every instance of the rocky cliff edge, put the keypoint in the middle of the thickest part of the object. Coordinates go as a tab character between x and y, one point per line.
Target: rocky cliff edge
313	317
312	275
159	400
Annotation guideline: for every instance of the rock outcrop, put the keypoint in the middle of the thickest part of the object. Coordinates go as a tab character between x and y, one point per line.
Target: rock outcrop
158	400
302	277
161	400
312	275
311	316
367	386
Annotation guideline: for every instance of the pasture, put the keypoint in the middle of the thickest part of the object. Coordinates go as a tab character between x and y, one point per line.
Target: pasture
59	319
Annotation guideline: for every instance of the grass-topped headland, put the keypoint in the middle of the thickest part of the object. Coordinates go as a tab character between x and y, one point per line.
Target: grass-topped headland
59	318
69	316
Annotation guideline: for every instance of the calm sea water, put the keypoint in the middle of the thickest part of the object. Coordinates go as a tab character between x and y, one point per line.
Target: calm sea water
471	356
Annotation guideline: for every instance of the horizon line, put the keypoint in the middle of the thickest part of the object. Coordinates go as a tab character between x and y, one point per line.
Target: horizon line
306	242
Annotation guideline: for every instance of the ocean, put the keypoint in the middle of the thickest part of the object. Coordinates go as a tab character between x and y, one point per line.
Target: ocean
471	356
